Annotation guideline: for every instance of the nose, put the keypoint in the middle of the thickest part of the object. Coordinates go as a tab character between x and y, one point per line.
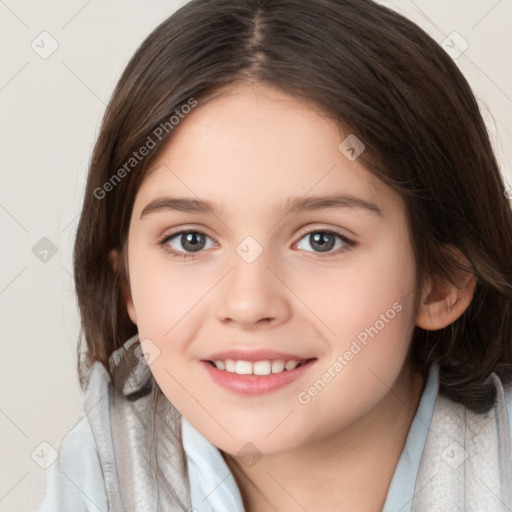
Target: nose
251	295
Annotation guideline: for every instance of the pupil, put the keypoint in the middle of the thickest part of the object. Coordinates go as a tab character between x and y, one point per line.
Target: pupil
192	241
323	241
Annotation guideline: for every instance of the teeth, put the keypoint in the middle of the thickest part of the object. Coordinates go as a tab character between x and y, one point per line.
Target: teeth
243	367
278	366
257	368
262	368
291	365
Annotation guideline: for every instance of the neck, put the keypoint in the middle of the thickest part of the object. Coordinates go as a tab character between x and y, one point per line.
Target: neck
337	472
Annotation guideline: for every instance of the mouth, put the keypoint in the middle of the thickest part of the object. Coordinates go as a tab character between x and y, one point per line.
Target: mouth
261	368
258	377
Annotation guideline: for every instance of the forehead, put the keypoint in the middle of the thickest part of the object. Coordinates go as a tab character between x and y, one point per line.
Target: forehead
252	145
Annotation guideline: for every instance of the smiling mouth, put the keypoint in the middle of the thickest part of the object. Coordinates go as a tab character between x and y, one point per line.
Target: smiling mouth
258	368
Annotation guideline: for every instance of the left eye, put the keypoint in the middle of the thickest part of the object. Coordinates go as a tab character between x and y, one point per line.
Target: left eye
323	241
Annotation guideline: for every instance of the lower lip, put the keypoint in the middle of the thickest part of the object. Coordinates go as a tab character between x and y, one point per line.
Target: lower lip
255	384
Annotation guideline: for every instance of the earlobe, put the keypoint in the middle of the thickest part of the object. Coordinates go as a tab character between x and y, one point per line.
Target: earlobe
118	266
443	303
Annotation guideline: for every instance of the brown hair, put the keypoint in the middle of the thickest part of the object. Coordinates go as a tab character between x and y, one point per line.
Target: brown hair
377	74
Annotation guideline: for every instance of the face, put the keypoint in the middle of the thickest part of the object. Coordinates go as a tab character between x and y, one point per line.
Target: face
254	262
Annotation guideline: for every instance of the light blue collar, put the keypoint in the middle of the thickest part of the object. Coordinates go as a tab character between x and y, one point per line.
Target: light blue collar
401	489
212	485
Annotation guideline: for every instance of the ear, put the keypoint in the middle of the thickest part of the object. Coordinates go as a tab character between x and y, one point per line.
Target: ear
117	266
441	304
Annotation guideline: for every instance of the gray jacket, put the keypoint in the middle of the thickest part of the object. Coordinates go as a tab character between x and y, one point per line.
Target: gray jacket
139	453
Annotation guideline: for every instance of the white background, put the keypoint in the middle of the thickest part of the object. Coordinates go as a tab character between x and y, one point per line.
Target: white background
50	115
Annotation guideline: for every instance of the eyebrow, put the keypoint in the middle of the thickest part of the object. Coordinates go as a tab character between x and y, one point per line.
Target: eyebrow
291	205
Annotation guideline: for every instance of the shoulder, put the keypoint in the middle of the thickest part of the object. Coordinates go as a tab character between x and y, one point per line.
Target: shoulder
507	393
75	480
507	396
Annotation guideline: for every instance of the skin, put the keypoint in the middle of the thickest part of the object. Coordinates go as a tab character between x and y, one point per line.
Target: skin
248	150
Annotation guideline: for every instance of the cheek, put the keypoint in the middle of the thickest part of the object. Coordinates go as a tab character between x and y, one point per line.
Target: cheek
367	313
166	304
355	295
162	293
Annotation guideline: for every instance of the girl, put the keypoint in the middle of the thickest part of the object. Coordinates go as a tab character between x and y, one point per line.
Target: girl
294	272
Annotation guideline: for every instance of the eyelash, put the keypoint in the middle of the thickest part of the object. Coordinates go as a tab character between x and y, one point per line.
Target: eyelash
349	244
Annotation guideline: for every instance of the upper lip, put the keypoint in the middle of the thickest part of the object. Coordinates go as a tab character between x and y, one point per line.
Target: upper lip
254	355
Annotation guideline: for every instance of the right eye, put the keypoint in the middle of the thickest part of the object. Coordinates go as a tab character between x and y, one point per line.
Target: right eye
183	244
